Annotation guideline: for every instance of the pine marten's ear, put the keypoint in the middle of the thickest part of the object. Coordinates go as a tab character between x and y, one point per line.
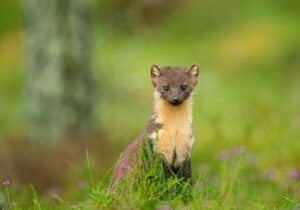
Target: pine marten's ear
155	71
194	70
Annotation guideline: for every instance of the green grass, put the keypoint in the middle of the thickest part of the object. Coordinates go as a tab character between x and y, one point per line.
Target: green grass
232	181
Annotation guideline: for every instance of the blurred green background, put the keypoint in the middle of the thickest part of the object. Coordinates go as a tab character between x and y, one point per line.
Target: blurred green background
248	95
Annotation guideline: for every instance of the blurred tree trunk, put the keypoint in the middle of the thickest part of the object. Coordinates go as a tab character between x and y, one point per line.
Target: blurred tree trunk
60	84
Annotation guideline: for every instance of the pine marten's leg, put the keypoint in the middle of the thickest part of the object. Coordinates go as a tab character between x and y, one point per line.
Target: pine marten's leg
186	170
167	169
187	178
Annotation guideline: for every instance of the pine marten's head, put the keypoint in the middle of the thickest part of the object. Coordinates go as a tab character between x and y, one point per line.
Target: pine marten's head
174	84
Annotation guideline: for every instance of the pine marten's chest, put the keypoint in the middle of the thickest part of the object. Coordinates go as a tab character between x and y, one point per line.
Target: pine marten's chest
174	142
174	139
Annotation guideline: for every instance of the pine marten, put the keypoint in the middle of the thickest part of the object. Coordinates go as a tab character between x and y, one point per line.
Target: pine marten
169	130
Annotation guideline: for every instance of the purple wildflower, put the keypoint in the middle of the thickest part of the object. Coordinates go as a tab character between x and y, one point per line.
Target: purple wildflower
5	183
232	153
120	175
293	174
237	151
125	167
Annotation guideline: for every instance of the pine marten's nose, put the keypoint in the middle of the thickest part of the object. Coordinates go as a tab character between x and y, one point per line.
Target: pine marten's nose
175	100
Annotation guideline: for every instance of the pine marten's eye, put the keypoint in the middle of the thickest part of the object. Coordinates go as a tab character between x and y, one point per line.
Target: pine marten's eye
183	87
166	88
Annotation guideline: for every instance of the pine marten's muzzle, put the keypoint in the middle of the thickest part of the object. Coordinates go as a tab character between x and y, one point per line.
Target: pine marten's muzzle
175	100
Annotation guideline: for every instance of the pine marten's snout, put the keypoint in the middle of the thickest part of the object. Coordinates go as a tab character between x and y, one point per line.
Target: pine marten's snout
175	100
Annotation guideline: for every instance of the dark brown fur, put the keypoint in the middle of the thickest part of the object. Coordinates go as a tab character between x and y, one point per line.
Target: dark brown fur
174	78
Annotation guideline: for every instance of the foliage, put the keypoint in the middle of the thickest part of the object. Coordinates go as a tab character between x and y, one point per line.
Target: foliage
231	183
246	107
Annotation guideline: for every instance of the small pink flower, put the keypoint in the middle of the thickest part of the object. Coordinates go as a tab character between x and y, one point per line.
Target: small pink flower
120	175
5	183
125	167
293	174
237	151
